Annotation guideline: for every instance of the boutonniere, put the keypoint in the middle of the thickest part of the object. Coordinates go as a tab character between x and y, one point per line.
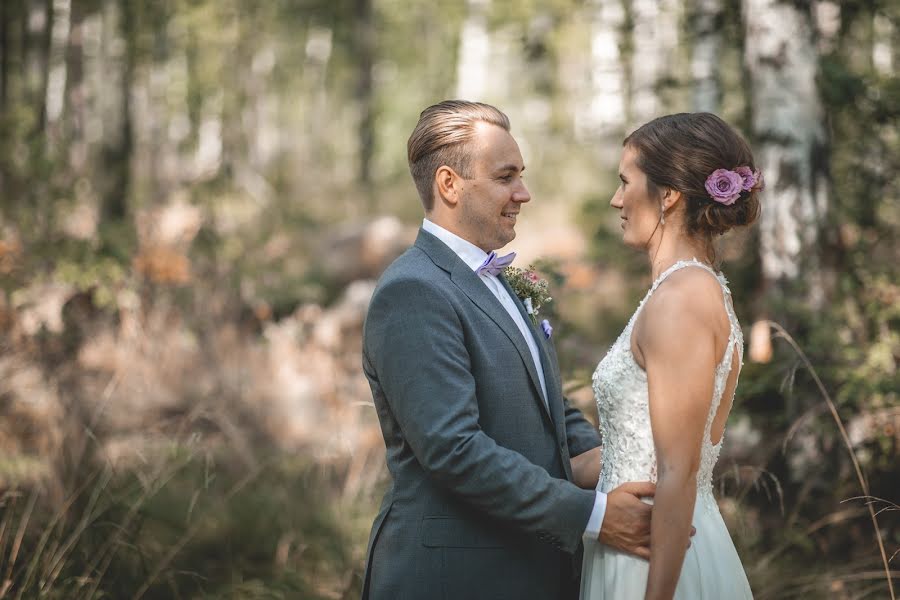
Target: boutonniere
533	291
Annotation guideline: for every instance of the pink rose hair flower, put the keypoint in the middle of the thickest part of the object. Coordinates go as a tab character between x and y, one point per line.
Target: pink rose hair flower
724	186
751	179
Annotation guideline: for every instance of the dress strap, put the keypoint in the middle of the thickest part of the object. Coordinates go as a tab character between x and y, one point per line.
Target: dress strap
682	264
693	262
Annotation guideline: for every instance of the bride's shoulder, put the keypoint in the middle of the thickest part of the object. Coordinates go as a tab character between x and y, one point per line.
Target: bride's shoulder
690	296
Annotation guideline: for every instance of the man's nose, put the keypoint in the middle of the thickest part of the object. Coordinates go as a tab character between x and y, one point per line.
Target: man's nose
522	194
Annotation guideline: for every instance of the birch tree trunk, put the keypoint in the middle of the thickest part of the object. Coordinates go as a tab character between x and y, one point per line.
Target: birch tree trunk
474	53
605	110
655	40
56	62
791	142
706	24
883	37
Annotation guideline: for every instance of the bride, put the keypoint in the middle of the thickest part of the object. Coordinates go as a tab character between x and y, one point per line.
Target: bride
666	386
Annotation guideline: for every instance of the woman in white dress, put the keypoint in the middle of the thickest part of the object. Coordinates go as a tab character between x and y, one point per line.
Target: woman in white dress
666	386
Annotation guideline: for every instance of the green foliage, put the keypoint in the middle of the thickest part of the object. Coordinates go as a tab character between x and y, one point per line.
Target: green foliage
197	524
238	68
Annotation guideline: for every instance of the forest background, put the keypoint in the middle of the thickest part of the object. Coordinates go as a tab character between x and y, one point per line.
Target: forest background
198	195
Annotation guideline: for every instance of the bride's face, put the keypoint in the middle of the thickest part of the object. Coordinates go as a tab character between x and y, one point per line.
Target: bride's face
638	208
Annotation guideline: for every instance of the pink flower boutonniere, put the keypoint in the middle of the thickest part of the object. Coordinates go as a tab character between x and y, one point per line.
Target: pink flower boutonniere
532	289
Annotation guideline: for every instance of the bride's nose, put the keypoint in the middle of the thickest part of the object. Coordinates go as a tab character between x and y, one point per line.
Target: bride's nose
616	200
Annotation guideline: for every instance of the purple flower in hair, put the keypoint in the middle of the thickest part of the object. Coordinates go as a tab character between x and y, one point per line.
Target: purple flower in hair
750	178
724	186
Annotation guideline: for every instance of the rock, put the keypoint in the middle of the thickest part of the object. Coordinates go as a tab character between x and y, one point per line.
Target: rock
363	250
40	306
31	424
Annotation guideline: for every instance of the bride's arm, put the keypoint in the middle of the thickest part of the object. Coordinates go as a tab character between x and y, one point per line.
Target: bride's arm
586	469
676	341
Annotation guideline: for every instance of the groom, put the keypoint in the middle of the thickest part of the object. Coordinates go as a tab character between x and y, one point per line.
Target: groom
480	441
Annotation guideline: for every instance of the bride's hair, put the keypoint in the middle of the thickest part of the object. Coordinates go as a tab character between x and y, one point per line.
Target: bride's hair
680	152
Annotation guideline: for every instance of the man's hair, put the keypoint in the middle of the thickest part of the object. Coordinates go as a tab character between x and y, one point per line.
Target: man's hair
442	137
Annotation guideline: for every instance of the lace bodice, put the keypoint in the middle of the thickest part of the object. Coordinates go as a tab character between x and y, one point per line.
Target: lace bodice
620	389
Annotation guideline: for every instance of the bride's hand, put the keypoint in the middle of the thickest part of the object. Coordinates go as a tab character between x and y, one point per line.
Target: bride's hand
626	524
586	469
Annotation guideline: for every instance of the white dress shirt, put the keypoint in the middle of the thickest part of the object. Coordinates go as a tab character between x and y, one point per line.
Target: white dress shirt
474	256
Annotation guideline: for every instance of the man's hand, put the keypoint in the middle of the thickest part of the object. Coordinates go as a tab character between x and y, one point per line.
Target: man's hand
626	525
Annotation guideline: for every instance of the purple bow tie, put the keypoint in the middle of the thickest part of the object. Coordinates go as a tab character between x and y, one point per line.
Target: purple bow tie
494	265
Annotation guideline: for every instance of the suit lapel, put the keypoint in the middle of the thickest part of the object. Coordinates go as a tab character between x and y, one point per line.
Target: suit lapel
551	376
484	299
472	286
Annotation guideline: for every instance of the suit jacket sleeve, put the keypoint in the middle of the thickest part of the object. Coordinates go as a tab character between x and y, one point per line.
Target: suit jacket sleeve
581	435
414	340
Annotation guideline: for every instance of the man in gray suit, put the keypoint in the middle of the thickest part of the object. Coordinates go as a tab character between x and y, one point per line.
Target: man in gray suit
480	442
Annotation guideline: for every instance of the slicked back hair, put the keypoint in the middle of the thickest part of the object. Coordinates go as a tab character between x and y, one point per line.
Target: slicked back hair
442	137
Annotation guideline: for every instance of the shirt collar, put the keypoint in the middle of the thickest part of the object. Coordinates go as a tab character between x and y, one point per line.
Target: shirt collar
468	252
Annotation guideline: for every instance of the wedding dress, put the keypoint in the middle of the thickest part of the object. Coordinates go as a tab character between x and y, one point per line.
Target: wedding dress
711	569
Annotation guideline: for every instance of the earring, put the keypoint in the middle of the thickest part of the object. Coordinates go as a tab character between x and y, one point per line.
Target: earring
662	214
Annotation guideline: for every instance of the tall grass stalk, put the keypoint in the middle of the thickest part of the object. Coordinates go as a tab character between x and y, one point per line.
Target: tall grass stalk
864	485
20	535
192	530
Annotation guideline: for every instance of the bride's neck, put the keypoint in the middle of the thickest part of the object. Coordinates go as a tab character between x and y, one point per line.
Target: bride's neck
667	252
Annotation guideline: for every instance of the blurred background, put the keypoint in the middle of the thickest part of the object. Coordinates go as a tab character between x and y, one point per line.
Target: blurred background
198	196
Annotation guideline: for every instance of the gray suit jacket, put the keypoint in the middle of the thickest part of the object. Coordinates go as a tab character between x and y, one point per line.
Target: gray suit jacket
482	504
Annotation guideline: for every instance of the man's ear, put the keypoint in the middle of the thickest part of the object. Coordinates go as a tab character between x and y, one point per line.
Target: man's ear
448	184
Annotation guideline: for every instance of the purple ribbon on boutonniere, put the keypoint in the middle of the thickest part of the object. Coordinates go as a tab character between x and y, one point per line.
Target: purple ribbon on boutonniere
546	328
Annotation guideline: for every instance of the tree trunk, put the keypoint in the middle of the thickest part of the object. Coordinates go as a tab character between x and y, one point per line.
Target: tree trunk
56	62
119	142
365	97
319	43
75	92
43	65
705	25
474	53
605	112
790	143
5	17
654	45
883	38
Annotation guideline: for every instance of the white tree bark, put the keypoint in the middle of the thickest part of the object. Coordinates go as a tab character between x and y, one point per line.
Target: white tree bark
56	82
705	55
605	109
655	36
474	53
788	124
827	17
883	35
